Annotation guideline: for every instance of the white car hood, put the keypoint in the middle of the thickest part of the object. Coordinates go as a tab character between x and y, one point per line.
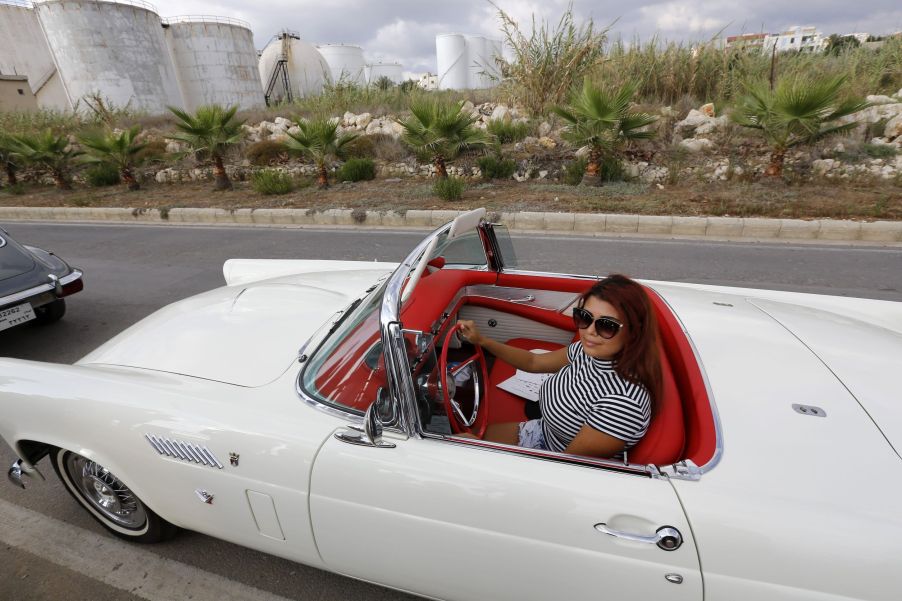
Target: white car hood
864	356
246	334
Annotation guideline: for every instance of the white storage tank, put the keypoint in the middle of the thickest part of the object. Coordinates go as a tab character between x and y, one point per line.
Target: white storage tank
346	64
291	68
452	59
24	51
476	61
115	49
495	54
215	61
393	71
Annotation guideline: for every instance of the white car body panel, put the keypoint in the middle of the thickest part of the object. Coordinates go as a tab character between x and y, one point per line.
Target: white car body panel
488	525
218	335
245	271
804	508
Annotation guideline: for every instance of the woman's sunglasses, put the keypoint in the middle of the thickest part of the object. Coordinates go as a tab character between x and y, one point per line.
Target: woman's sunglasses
606	327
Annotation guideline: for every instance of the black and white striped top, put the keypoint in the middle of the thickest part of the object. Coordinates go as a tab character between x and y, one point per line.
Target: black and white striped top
589	391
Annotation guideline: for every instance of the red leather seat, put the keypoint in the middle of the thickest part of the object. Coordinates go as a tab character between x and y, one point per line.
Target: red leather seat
663	442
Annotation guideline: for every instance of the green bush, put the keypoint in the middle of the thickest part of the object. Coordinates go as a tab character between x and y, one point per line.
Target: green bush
155	151
355	170
574	171
879	151
508	131
496	167
265	152
271	181
450	188
102	174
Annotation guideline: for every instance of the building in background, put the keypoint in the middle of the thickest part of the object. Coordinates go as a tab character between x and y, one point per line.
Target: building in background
752	42
16	94
428	81
798	38
24	52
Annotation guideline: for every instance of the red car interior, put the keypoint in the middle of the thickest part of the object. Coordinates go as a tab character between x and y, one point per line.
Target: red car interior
682	426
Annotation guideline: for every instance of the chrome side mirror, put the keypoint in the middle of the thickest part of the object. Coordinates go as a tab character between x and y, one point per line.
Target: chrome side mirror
372	427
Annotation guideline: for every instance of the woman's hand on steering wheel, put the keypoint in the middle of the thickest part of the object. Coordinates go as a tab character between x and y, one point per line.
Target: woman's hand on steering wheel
469	332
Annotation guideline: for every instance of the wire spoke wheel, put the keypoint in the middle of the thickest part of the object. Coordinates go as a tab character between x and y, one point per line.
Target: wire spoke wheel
105	492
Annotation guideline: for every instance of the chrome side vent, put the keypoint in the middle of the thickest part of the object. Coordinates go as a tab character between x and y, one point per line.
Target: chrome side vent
185	451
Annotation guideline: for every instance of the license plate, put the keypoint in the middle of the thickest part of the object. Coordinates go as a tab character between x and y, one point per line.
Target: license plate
15	315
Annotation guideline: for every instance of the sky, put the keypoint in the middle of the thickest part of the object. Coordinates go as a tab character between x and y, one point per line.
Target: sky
405	30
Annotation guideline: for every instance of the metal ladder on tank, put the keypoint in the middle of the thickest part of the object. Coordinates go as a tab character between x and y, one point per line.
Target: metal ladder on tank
280	71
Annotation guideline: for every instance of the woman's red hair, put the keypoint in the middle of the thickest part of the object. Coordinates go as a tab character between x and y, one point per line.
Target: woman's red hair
639	361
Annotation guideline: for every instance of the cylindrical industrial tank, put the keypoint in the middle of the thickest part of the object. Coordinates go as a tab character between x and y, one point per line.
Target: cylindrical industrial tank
215	61
476	61
305	70
24	51
393	71
346	63
495	54
451	59
115	49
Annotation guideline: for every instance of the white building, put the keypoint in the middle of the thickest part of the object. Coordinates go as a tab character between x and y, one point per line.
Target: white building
428	81
798	38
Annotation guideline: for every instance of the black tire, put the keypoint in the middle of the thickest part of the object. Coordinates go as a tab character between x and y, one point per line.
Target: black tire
51	312
109	500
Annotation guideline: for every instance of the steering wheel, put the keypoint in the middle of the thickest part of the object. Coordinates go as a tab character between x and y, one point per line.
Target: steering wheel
477	421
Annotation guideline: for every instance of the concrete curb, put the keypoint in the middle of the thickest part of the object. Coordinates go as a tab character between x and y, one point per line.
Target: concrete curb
739	228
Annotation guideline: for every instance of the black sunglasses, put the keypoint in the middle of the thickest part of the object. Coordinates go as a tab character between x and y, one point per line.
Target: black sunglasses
606	327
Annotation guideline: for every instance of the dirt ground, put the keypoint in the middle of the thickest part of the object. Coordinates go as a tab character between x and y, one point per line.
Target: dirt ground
846	200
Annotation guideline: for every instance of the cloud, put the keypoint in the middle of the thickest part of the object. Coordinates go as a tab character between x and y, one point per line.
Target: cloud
404	30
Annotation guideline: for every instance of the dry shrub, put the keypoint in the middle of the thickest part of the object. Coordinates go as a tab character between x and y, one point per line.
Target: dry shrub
155	151
388	148
265	152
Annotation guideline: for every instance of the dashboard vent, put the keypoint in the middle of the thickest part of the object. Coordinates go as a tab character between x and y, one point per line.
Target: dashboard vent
184	451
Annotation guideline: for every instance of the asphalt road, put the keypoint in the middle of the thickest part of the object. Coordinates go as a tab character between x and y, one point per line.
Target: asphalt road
133	270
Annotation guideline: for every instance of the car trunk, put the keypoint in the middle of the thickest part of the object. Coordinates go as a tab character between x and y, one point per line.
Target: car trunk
14	260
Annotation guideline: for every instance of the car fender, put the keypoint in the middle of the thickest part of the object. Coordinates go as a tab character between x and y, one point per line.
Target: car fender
109	414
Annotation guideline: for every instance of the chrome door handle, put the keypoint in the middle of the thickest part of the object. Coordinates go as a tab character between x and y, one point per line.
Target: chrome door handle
667	538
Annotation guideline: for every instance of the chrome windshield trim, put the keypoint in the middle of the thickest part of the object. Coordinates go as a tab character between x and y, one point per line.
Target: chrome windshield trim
2	241
400	379
41	289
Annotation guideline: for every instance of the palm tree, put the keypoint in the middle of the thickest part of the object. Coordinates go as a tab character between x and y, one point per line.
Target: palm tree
320	140
47	151
442	131
119	150
602	120
7	149
797	111
210	131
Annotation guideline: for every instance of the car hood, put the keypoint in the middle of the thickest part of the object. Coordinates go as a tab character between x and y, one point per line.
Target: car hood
245	334
862	354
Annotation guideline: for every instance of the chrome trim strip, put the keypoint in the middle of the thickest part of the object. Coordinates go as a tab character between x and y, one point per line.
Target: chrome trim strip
184	451
688	470
607	464
40	289
16	473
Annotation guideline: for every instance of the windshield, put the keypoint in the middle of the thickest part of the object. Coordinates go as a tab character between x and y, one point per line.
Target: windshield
346	370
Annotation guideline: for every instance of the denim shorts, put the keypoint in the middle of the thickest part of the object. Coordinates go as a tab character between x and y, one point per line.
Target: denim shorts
531	435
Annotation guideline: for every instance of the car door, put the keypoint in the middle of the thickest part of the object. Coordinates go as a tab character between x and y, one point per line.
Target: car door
455	521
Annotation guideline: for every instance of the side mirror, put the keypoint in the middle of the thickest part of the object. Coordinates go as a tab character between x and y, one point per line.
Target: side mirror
372	427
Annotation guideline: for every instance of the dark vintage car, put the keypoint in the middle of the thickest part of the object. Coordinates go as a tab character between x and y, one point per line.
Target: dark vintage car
33	283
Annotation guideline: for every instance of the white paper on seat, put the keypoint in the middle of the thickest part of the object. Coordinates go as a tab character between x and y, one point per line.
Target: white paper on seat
525	384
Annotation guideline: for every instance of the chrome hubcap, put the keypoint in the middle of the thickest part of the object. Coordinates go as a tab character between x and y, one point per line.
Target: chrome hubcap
105	492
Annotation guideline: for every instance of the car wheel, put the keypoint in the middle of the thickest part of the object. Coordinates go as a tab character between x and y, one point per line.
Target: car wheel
50	312
109	500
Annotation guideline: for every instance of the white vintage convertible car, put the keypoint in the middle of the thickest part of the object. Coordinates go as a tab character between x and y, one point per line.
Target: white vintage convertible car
306	410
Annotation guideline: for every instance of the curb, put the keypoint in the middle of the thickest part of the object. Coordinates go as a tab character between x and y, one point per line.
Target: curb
748	228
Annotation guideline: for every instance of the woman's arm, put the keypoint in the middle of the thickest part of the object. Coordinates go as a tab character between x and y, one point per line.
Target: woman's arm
590	442
540	363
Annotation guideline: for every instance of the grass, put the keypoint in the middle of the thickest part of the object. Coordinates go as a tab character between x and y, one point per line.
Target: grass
102	174
508	132
496	167
449	188
356	170
270	181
